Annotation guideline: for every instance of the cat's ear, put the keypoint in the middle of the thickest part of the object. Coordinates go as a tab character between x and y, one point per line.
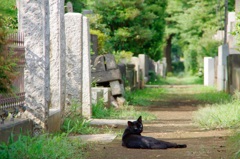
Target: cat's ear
140	119
130	123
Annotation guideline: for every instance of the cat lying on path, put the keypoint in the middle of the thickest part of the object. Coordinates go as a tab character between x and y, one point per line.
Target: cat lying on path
132	138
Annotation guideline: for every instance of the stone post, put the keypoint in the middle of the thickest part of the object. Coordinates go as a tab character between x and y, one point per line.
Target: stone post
208	71
36	30
69	7
20	14
223	52
237	6
86	71
143	66
73	32
135	61
57	58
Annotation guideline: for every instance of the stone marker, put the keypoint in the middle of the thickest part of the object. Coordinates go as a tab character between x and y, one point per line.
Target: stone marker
73	30
223	52
86	71
69	7
208	71
35	25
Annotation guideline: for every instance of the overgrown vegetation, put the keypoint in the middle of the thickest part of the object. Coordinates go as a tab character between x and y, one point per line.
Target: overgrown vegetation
44	146
177	79
223	114
123	112
8	61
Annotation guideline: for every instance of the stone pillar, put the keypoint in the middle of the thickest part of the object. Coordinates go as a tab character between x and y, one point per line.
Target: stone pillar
223	52
20	14
143	66
94	41
69	7
237	6
208	71
57	57
73	32
86	71
36	30
135	61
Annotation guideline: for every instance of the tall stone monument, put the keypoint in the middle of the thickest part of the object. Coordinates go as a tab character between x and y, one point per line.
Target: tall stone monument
35	25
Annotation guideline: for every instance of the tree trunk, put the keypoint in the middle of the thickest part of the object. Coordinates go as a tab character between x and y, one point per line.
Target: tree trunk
167	53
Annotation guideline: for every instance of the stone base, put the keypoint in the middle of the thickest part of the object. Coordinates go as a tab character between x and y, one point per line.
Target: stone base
16	127
54	120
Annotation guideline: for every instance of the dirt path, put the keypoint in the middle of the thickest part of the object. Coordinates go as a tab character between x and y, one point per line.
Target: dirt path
174	124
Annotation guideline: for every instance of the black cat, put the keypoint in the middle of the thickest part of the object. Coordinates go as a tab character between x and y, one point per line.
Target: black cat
132	138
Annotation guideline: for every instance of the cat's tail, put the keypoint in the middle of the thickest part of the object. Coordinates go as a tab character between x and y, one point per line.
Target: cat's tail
181	146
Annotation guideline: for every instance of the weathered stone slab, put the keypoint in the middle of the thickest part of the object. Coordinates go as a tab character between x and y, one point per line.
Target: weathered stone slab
208	71
86	71
106	76
69	7
104	138
57	60
73	30
99	64
223	52
110	62
115	88
106	94
35	25
130	75
96	95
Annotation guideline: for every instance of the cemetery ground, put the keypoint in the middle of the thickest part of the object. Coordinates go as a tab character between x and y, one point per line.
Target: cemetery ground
168	113
174	107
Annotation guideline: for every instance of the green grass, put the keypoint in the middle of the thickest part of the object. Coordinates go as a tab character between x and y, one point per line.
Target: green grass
224	114
43	147
124	112
210	95
144	97
180	79
234	142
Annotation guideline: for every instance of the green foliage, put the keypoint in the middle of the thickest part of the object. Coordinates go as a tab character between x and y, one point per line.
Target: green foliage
44	147
143	97
102	39
192	23
122	56
8	61
8	13
236	33
135	26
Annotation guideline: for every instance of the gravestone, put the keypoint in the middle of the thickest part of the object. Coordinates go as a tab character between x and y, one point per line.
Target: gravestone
35	25
94	42
69	7
143	62
237	6
57	63
86	71
223	52
233	67
208	71
73	31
